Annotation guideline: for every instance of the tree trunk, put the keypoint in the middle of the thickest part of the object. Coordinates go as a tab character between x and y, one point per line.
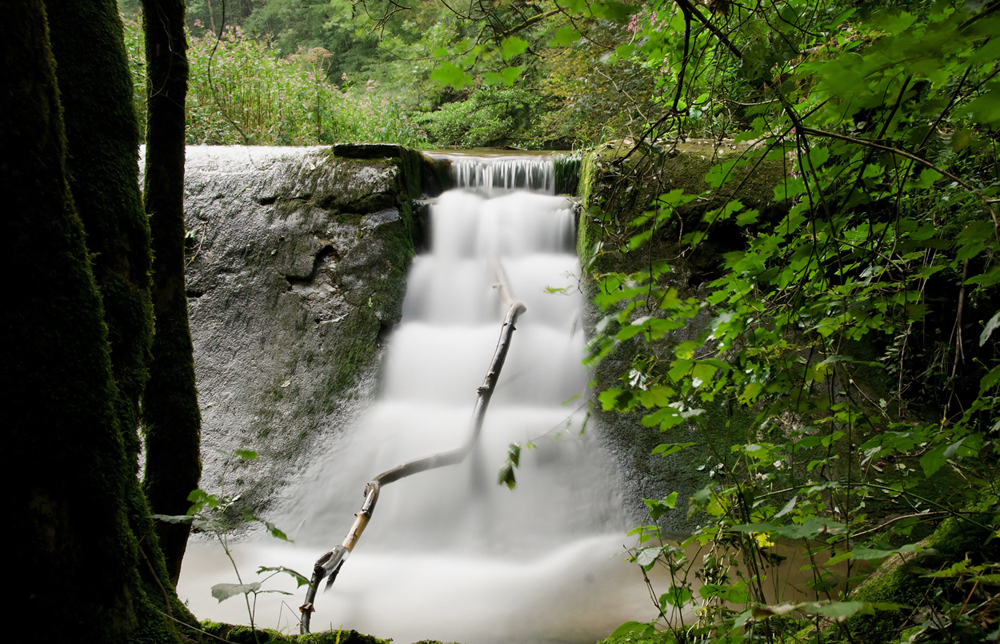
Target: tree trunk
77	560
170	404
102	137
102	162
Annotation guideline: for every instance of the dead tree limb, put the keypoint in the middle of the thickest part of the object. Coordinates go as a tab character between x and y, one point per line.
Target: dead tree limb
328	566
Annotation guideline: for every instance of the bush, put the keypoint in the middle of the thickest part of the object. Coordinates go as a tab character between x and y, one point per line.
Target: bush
239	91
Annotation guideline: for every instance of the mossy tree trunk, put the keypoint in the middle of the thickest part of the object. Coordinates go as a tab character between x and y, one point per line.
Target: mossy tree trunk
78	560
102	137
170	404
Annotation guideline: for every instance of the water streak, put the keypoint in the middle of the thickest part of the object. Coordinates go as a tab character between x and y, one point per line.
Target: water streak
503	173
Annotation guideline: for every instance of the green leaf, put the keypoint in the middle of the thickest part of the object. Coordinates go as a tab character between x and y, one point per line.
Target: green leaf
666	449
510	75
747	218
514	454
970	250
274	530
787	508
993	323
173	518
677	596
565	37
989	380
613	10
986	108
933	461
300	579
658	508
837	611
223	592
721	173
895	23
647	556
609	399
679	369
506	476
927	178
810	528
448	74
512	46
623	52
818	155
640	629
703	372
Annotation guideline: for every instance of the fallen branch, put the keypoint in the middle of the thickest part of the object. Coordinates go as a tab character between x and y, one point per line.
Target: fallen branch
328	566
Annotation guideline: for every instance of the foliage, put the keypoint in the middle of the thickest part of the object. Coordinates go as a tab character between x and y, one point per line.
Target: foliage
528	75
852	326
241	92
487	118
219	515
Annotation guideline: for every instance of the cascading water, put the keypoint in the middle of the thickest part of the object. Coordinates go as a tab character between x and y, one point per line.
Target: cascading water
449	554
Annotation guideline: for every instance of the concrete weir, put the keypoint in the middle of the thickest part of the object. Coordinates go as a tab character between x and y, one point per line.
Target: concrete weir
296	269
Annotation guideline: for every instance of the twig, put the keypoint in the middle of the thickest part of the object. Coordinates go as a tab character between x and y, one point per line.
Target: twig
156	578
888	148
913	157
687	6
329	564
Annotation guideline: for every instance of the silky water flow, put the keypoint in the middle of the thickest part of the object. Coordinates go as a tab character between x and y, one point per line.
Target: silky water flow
449	554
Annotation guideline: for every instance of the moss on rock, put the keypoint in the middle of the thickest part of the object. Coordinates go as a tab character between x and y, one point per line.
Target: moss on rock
246	635
904	581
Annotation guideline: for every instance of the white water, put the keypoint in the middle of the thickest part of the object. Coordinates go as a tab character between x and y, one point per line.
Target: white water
449	554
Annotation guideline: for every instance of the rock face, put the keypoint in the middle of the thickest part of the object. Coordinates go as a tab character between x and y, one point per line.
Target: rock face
296	268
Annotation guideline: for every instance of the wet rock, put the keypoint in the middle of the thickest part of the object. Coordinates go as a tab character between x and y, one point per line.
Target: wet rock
296	267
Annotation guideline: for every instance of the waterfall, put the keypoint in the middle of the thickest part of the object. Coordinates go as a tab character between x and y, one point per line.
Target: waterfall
450	554
503	173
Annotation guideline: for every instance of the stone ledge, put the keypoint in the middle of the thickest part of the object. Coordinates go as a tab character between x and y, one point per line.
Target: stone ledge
368	150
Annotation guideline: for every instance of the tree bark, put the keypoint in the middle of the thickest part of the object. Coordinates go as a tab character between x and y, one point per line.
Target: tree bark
76	561
170	405
102	137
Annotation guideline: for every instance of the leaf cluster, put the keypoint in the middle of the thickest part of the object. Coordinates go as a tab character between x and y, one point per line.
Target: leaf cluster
854	325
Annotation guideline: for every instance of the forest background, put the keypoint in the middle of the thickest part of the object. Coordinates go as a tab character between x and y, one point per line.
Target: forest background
847	377
298	72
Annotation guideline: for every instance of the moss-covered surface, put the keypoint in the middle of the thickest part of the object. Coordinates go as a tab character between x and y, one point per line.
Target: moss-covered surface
80	560
102	134
905	582
246	635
